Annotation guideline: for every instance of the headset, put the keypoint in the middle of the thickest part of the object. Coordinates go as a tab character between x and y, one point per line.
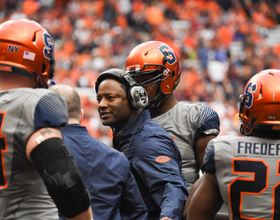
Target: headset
136	95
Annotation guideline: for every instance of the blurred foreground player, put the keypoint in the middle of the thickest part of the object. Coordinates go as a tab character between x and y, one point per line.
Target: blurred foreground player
37	172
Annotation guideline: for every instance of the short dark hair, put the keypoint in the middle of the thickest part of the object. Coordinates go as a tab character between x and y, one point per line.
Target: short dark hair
114	73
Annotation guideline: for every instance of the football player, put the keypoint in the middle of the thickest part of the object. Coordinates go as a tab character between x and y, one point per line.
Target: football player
155	66
37	172
243	172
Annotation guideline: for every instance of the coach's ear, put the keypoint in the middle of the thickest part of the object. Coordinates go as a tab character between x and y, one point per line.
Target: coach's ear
82	115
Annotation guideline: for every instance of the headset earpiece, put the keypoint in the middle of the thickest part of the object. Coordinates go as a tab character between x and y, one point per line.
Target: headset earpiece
138	97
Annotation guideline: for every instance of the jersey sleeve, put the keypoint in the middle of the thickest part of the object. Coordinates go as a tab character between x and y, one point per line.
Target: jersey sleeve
51	111
209	159
157	165
206	122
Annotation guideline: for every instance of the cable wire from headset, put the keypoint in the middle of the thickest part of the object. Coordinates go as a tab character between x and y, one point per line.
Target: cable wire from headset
135	131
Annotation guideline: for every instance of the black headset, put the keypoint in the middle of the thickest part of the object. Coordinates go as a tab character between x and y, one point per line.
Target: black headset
136	95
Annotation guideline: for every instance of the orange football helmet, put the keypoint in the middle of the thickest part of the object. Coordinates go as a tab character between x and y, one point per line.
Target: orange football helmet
260	102
155	56
26	48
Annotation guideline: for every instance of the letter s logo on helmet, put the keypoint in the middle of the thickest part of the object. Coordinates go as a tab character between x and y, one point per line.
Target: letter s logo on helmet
26	48
48	49
168	52
150	57
260	102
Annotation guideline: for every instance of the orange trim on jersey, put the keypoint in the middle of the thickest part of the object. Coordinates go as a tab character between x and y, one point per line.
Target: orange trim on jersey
273	191
277	168
246	179
173	138
3	150
162	159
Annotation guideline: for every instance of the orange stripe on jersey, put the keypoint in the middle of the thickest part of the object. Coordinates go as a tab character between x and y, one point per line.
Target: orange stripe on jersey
276	187
3	148
250	179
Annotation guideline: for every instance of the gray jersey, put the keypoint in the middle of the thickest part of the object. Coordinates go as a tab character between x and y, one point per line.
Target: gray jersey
247	171
23	195
185	122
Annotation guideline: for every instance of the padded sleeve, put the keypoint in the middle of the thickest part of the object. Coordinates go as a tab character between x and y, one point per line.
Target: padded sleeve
51	111
207	122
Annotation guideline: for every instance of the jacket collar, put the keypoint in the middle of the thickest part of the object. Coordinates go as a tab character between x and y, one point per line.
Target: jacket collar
134	122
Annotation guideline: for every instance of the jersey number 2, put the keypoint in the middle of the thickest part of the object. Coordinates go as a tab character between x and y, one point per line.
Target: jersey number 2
3	148
256	185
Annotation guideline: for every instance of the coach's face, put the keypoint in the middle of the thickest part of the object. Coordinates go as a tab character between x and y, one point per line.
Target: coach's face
113	106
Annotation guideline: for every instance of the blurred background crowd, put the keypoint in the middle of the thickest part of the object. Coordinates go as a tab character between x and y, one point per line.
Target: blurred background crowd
221	43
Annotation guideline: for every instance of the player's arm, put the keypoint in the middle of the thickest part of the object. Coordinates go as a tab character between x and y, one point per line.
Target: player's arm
193	189
207	125
201	144
60	173
218	216
206	200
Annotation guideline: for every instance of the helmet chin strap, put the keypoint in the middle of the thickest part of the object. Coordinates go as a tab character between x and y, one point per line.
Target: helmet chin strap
154	102
249	126
38	79
39	82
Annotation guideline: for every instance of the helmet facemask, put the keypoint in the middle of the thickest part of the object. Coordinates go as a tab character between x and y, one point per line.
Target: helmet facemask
160	72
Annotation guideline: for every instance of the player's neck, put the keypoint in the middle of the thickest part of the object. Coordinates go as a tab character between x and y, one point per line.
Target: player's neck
13	81
4	86
166	104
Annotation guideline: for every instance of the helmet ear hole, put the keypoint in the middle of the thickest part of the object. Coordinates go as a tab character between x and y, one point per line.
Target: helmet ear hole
260	94
34	37
173	74
43	68
247	114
